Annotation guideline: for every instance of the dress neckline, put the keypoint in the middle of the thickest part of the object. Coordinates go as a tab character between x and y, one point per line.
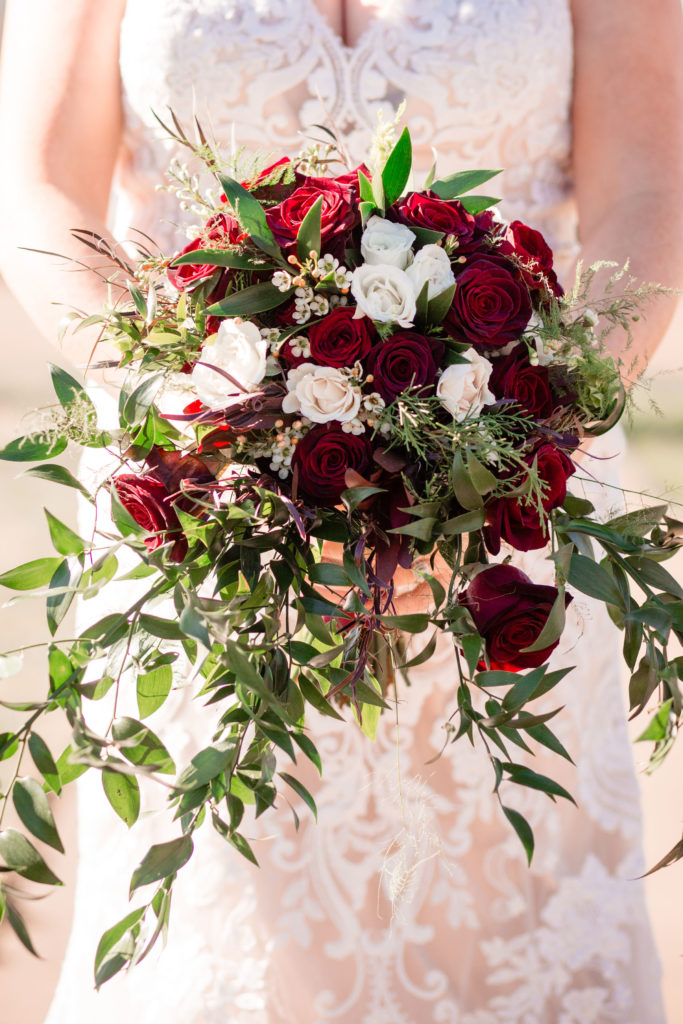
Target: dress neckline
347	49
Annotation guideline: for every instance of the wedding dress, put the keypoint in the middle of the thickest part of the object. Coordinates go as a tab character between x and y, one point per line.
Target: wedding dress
410	901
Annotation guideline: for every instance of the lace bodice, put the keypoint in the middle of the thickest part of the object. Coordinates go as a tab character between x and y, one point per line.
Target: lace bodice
487	84
410	902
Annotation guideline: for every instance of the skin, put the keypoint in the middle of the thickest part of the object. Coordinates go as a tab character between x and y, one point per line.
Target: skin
61	124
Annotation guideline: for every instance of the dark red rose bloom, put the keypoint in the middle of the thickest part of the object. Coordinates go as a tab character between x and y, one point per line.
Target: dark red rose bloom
322	457
509	612
491	305
536	255
511	520
514	377
150	497
148	502
220	232
427	210
403	361
338	214
339	339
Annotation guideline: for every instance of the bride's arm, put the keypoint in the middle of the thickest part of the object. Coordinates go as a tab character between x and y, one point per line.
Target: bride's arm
628	148
60	132
60	128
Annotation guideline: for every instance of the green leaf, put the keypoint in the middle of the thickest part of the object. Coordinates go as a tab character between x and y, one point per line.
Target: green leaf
251	215
463	485
468	522
482	478
655	575
257	298
415	623
135	407
106	965
138	298
9	744
11	665
378	193
524	689
553	627
396	171
221	258
164	629
309	748
592	579
524	776
658	728
365	188
301	791
316	699
69	770
160	861
439	305
33	447
477	204
205	766
44	762
64	539
18	926
354	496
472	649
59	475
31	805
153	688
21	856
308	235
141	746
123	793
328	574
577	506
30	575
420	528
462	181
242	846
523	830
69	390
66	578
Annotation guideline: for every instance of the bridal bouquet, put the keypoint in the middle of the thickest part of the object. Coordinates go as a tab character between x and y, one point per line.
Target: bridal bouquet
337	379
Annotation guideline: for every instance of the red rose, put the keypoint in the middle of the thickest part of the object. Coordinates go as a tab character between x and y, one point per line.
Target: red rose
405	360
322	457
148	502
509	612
427	210
220	232
338	215
511	520
536	256
339	339
491	305
515	378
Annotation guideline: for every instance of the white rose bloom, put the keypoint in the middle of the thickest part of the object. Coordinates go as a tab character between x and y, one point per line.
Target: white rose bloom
431	264
463	387
387	243
239	350
384	293
322	393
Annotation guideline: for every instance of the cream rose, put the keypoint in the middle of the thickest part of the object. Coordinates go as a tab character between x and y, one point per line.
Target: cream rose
431	265
384	293
239	350
463	387
384	242
322	393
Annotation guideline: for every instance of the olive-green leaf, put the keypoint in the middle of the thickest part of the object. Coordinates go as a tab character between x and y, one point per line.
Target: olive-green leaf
594	580
523	830
153	688
250	214
64	539
123	793
301	791
44	762
109	940
58	475
31	805
461	181
257	298
141	746
21	856
396	170
18	926
33	447
30	575
160	861
308	235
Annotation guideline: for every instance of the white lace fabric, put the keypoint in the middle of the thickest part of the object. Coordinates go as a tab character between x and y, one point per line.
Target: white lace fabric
410	901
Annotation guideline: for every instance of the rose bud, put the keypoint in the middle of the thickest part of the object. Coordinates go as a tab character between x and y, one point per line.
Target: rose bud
322	458
509	612
518	523
491	305
341	338
515	378
535	255
405	360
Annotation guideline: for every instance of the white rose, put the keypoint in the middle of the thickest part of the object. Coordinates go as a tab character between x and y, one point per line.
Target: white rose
432	265
384	293
322	393
239	350
463	387
387	243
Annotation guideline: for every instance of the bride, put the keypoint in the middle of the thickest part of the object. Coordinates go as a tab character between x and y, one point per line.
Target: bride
410	902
